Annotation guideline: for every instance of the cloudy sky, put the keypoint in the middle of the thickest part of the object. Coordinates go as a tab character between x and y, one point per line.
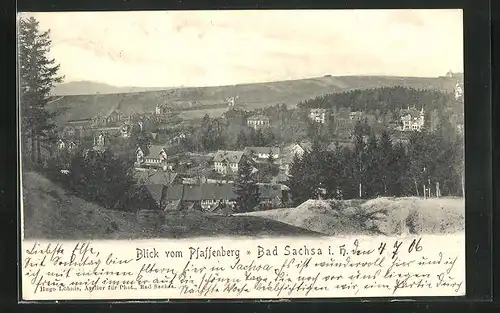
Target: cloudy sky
203	48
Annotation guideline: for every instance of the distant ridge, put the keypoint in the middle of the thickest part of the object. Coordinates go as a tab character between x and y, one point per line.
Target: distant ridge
250	96
93	88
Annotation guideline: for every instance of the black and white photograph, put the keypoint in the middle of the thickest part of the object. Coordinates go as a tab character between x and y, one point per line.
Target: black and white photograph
248	154
185	124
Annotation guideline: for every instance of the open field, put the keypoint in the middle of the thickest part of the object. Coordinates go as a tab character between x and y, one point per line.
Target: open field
387	216
251	96
196	114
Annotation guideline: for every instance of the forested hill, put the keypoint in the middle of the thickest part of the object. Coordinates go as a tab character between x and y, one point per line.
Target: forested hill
386	99
250	96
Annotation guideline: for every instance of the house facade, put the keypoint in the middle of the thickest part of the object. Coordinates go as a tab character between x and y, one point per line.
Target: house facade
161	109
213	197
412	119
231	101
270	195
262	153
206	197
459	91
115	117
318	115
226	162
258	121
100	141
289	153
156	157
153	177
356	116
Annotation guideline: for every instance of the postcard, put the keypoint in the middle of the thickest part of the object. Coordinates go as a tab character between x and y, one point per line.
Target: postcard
249	154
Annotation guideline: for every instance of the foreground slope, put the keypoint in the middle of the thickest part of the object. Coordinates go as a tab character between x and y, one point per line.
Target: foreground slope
251	96
51	213
387	216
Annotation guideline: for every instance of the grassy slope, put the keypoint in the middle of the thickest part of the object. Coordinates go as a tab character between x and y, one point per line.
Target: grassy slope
52	213
181	225
250	95
387	216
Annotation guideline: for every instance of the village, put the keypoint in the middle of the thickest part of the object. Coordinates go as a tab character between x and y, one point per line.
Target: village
204	180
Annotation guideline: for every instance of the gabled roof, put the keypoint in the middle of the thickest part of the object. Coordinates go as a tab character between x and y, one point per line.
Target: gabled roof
306	145
154	151
208	191
411	111
217	192
262	150
229	156
174	192
174	205
258	117
281	177
156	192
156	177
191	193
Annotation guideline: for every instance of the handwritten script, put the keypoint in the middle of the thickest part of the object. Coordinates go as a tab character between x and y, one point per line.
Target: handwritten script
244	268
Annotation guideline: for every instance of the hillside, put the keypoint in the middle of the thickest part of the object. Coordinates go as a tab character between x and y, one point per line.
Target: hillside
251	96
92	88
388	216
51	213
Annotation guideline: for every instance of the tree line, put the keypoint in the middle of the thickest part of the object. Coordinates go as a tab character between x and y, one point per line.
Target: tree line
101	177
427	165
385	99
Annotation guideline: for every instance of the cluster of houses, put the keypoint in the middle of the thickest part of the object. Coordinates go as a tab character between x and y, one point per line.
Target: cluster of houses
172	191
410	119
208	197
111	123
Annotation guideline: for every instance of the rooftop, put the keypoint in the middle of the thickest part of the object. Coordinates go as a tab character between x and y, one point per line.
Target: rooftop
155	150
209	191
156	177
262	150
228	156
156	192
258	117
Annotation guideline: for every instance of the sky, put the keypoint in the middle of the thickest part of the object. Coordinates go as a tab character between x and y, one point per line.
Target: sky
209	48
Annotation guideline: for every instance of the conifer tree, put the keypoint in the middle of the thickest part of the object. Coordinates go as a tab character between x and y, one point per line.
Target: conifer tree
402	185
386	163
372	178
246	187
241	140
298	181
37	76
358	161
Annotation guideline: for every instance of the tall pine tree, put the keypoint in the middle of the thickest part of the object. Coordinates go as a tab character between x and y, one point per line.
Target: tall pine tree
298	179
37	76
246	187
386	163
